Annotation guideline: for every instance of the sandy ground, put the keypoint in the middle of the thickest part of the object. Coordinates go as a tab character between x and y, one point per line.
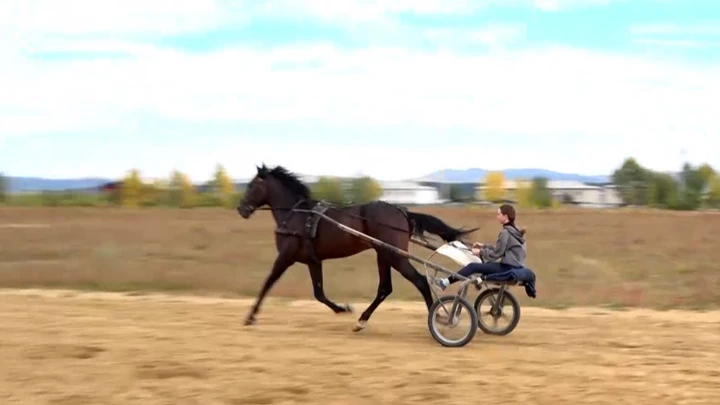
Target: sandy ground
62	347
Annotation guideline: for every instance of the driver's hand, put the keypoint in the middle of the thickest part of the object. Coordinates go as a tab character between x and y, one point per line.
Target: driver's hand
476	251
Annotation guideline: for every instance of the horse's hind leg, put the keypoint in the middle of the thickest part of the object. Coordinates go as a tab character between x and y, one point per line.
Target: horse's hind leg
383	291
403	265
316	275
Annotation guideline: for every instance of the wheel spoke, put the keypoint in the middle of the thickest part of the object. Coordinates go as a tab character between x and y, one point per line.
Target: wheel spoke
455	332
498	301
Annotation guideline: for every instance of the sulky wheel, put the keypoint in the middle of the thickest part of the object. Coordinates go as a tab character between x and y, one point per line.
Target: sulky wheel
458	332
507	313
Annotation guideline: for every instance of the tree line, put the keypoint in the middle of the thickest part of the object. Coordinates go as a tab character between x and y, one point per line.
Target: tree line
692	188
178	191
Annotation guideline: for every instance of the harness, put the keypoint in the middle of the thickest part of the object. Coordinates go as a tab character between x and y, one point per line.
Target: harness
311	224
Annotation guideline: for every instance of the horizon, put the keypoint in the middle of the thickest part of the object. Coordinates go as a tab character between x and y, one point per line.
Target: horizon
392	90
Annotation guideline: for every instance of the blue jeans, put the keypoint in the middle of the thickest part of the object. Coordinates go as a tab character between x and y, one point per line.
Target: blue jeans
481	268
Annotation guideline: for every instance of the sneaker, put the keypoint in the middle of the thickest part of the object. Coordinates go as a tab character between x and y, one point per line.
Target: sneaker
441	283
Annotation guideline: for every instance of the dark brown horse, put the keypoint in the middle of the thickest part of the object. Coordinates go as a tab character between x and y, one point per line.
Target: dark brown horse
290	202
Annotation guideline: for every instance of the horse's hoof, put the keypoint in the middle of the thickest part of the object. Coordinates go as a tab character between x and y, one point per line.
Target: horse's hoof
360	325
250	321
349	308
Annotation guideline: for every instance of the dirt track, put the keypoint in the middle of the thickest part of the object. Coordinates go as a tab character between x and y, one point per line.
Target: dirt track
60	347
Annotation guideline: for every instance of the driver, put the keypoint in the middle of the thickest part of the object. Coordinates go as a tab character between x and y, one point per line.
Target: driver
509	248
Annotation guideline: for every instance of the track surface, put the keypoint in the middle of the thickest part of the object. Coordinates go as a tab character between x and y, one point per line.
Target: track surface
61	347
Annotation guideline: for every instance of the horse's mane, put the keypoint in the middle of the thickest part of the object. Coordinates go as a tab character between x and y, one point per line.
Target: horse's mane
289	180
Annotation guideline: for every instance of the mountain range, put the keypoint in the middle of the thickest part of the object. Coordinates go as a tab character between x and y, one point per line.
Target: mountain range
25	184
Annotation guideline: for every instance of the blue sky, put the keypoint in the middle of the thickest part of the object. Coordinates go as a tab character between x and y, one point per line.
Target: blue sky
393	89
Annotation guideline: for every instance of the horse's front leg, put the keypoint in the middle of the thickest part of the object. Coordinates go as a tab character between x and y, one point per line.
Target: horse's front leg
282	263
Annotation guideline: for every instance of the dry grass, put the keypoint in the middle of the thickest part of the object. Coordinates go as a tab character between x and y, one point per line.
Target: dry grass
58	347
581	257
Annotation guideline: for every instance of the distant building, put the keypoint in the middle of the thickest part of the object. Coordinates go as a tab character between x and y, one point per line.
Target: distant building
568	192
405	192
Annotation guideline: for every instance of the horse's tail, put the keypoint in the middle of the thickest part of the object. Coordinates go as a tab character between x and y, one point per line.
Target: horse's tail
421	223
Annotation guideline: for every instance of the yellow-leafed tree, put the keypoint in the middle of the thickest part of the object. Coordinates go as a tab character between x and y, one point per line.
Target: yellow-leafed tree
328	189
222	186
365	189
524	194
707	173
494	187
714	191
182	191
131	190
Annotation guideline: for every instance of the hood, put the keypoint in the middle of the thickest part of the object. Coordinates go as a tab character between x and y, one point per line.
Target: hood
515	233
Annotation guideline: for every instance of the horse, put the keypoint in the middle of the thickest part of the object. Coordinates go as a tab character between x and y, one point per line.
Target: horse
292	208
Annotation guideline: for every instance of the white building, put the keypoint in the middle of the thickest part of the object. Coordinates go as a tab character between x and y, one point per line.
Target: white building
405	192
589	195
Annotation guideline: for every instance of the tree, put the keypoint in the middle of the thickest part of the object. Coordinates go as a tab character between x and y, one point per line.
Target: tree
631	179
328	189
222	186
540	193
131	189
365	189
3	188
662	190
524	193
691	188
714	192
707	173
182	192
495	187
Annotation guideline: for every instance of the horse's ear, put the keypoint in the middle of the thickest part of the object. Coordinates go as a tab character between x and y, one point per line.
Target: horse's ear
261	171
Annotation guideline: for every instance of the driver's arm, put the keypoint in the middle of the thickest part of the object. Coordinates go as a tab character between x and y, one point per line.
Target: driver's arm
492	253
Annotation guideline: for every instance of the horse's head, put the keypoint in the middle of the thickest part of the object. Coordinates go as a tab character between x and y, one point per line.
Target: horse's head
276	187
256	195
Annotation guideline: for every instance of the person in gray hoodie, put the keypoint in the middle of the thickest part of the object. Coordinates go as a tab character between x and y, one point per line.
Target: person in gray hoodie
509	248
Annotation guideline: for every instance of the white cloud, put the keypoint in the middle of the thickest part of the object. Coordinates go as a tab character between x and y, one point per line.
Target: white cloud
558	5
493	35
554	100
709	29
681	43
698	35
49	17
42	17
559	108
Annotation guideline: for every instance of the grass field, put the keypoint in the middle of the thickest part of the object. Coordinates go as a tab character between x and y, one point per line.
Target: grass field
581	257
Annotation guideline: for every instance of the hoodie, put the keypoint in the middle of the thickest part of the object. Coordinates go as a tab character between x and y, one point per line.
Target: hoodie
510	248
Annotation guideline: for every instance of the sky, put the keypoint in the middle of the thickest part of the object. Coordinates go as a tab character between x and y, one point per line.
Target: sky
393	89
